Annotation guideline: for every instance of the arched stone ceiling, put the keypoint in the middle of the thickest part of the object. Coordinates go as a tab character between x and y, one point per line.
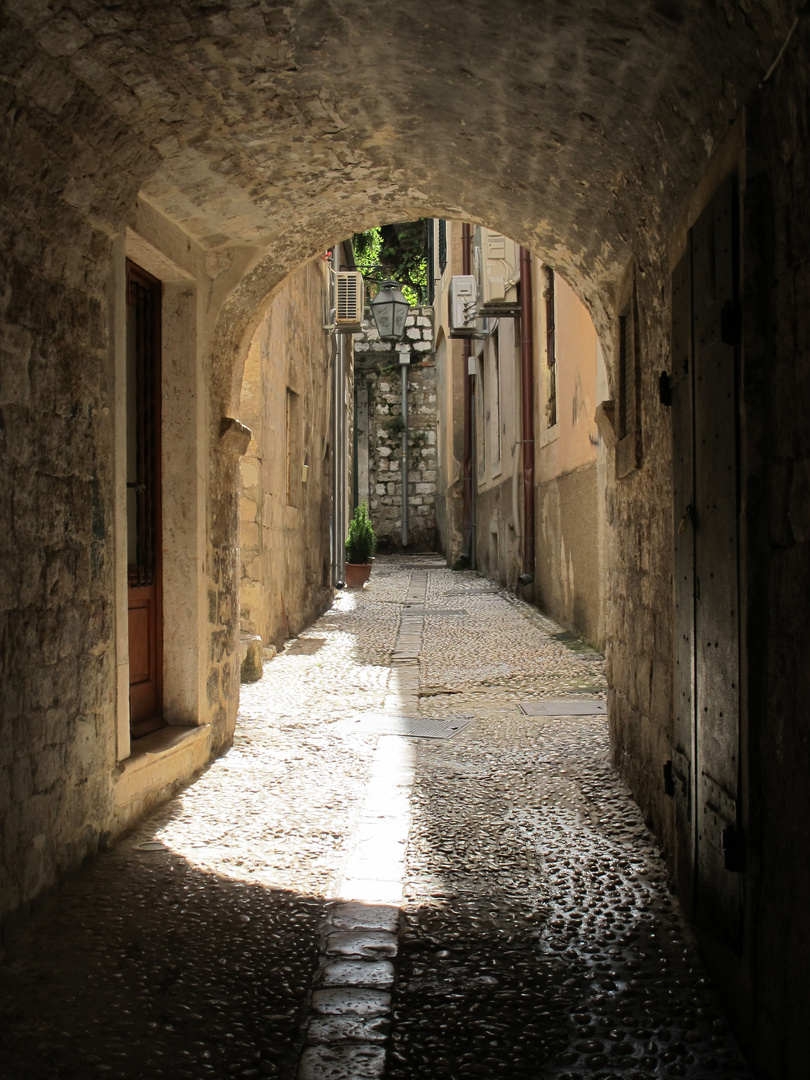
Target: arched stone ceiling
578	129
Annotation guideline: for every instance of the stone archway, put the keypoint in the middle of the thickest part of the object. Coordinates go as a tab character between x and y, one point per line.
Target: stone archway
247	137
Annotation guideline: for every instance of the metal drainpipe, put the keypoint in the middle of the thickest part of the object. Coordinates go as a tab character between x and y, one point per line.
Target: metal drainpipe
404	361
473	473
527	394
467	489
342	493
355	448
335	425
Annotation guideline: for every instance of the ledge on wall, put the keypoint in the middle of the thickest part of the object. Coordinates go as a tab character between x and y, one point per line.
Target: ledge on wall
159	764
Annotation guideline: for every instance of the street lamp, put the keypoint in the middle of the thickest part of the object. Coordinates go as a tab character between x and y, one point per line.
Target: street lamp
390	310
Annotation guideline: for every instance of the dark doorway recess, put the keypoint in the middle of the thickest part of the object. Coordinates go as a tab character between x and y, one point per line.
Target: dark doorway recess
144	502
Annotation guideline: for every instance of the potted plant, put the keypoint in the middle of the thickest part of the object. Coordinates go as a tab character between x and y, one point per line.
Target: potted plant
360	545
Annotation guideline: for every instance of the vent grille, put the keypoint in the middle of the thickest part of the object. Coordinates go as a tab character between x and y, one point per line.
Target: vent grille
350	300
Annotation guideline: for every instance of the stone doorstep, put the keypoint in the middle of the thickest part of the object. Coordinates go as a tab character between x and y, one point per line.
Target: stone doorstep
161	758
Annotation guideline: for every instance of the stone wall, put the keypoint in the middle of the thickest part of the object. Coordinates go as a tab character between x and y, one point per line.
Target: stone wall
378	385
568	566
586	134
286	485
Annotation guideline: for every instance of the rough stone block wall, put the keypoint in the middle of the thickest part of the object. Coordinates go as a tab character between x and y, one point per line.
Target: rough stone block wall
57	663
567	564
377	366
284	547
497	547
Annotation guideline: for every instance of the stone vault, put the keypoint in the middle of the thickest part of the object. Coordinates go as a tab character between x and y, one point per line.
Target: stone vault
225	143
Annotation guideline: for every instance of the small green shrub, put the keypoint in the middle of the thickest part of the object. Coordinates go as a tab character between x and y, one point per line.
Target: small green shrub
361	541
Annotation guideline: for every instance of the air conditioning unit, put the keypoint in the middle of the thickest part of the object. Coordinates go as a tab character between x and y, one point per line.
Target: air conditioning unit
350	299
462	295
497	266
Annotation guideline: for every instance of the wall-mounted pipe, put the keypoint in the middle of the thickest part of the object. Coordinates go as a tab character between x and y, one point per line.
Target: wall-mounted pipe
403	367
467	462
527	395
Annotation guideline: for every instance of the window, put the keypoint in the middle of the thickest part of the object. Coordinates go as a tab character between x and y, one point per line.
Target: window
495	403
442	246
551	349
480	418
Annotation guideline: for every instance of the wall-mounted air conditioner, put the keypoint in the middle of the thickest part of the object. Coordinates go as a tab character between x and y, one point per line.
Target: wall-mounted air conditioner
497	271
462	306
350	299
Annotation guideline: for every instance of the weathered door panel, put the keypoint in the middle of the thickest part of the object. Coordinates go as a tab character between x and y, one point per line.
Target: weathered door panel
683	749
717	651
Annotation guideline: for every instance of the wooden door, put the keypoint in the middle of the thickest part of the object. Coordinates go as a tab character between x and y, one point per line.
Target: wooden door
683	482
706	753
144	502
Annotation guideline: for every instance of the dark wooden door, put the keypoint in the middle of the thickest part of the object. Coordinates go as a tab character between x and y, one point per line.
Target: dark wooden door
706	441
683	482
144	502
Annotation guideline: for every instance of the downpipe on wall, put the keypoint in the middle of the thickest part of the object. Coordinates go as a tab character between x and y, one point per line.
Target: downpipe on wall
338	576
404	362
468	554
527	401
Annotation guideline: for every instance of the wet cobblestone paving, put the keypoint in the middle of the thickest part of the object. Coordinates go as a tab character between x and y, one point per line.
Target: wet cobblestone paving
327	903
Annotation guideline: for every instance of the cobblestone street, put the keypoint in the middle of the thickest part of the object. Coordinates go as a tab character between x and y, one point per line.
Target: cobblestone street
350	893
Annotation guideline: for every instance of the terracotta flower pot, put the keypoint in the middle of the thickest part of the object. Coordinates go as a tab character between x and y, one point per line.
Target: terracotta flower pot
357	574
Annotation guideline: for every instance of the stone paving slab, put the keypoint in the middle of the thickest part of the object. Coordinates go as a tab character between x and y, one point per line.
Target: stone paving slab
348	1028
369	973
366	917
340	1000
563	708
361	943
342	1063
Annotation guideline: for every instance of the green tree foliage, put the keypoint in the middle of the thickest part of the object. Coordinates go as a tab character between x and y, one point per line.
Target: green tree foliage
398	251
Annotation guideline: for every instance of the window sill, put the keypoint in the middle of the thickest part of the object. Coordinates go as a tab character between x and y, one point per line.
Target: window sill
548	436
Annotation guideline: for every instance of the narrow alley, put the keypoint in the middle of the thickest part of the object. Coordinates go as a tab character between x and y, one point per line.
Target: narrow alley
407	865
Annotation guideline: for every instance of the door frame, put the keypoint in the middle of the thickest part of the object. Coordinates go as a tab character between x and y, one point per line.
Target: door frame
150	593
185	435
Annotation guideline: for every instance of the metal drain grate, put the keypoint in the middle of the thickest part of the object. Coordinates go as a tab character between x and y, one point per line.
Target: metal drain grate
418	727
419	609
563	708
471	592
305	646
